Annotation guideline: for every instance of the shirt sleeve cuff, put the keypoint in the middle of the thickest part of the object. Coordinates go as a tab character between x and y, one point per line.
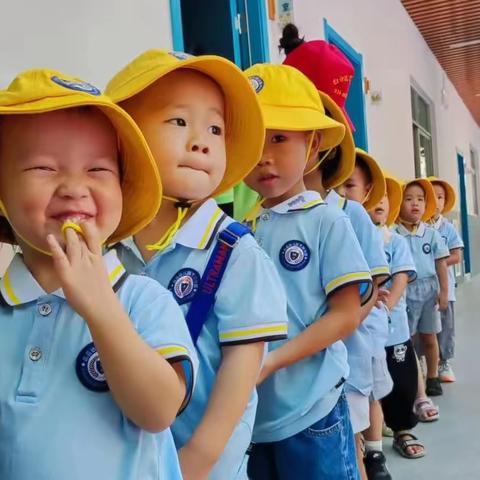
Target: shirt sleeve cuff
256	333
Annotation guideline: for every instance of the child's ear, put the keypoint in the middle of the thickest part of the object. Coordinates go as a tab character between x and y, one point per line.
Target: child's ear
316	143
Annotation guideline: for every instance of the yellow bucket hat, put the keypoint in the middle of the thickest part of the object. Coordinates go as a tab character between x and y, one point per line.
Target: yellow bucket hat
394	194
450	196
41	90
430	198
290	101
343	164
378	180
244	125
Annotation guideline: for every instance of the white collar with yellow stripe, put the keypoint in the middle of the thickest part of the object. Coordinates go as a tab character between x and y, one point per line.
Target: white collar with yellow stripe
299	203
202	227
334	198
418	231
18	286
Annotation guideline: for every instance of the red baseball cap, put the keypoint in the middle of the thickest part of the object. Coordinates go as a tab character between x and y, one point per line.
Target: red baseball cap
327	67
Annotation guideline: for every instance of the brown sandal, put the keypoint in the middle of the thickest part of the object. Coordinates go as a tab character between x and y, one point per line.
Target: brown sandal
401	443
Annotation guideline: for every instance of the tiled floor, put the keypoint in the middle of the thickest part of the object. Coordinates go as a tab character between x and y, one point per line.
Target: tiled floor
453	443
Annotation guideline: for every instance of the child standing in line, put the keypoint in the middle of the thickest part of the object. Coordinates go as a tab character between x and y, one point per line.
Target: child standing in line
203	123
445	195
429	294
331	72
95	363
302	427
398	405
363	186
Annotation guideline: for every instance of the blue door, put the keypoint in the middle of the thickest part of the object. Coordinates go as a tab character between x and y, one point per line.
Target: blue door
355	104
234	29
464	211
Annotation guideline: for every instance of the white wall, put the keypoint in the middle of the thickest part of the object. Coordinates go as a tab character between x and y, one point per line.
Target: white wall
91	38
393	52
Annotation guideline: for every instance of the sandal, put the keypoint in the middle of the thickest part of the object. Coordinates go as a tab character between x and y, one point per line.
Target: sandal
401	444
422	407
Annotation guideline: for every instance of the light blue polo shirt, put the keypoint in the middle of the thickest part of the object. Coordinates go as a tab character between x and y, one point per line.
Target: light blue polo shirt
451	237
361	343
58	420
401	261
250	307
426	246
316	253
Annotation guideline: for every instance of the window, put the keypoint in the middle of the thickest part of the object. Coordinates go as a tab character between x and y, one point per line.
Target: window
422	135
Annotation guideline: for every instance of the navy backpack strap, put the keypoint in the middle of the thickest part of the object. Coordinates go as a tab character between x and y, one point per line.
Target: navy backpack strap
212	276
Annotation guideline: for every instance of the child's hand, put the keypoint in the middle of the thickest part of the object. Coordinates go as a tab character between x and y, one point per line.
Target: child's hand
81	270
193	464
382	297
443	302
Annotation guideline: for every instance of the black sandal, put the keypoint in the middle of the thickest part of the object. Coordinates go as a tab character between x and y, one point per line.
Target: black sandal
402	441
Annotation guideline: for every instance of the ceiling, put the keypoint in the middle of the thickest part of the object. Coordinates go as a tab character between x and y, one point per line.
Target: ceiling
445	25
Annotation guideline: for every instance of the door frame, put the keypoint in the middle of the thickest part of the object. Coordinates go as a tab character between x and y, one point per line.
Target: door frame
464	211
333	37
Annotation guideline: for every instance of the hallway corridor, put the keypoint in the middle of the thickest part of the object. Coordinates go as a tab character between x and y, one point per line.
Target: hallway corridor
452	443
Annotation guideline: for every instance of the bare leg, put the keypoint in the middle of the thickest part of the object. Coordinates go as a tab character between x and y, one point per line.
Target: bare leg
430	344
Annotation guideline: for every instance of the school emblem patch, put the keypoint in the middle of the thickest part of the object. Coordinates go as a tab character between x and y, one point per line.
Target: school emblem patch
257	83
294	255
78	86
184	285
89	369
426	248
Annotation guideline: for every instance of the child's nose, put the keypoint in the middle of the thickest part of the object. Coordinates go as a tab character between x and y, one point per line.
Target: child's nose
199	147
73	188
265	160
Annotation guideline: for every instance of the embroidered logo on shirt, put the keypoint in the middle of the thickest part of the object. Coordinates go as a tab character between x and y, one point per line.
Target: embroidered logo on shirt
294	255
426	248
89	369
184	285
399	353
295	201
257	83
79	86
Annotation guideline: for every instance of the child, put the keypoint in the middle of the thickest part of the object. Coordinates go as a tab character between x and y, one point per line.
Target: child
203	123
301	384
90	370
324	64
399	403
429	293
366	185
445	195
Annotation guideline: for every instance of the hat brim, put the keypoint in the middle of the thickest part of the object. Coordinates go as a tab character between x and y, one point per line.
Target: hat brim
346	163
451	197
246	132
394	194
378	180
431	200
280	118
141	187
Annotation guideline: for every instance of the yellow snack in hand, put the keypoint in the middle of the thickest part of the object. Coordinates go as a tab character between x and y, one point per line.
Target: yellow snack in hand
73	226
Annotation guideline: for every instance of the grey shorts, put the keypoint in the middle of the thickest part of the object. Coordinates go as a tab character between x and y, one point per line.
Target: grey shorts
382	380
422	307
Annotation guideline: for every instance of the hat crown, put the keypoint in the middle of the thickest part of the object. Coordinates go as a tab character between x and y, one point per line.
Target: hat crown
284	86
153	59
326	66
38	84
